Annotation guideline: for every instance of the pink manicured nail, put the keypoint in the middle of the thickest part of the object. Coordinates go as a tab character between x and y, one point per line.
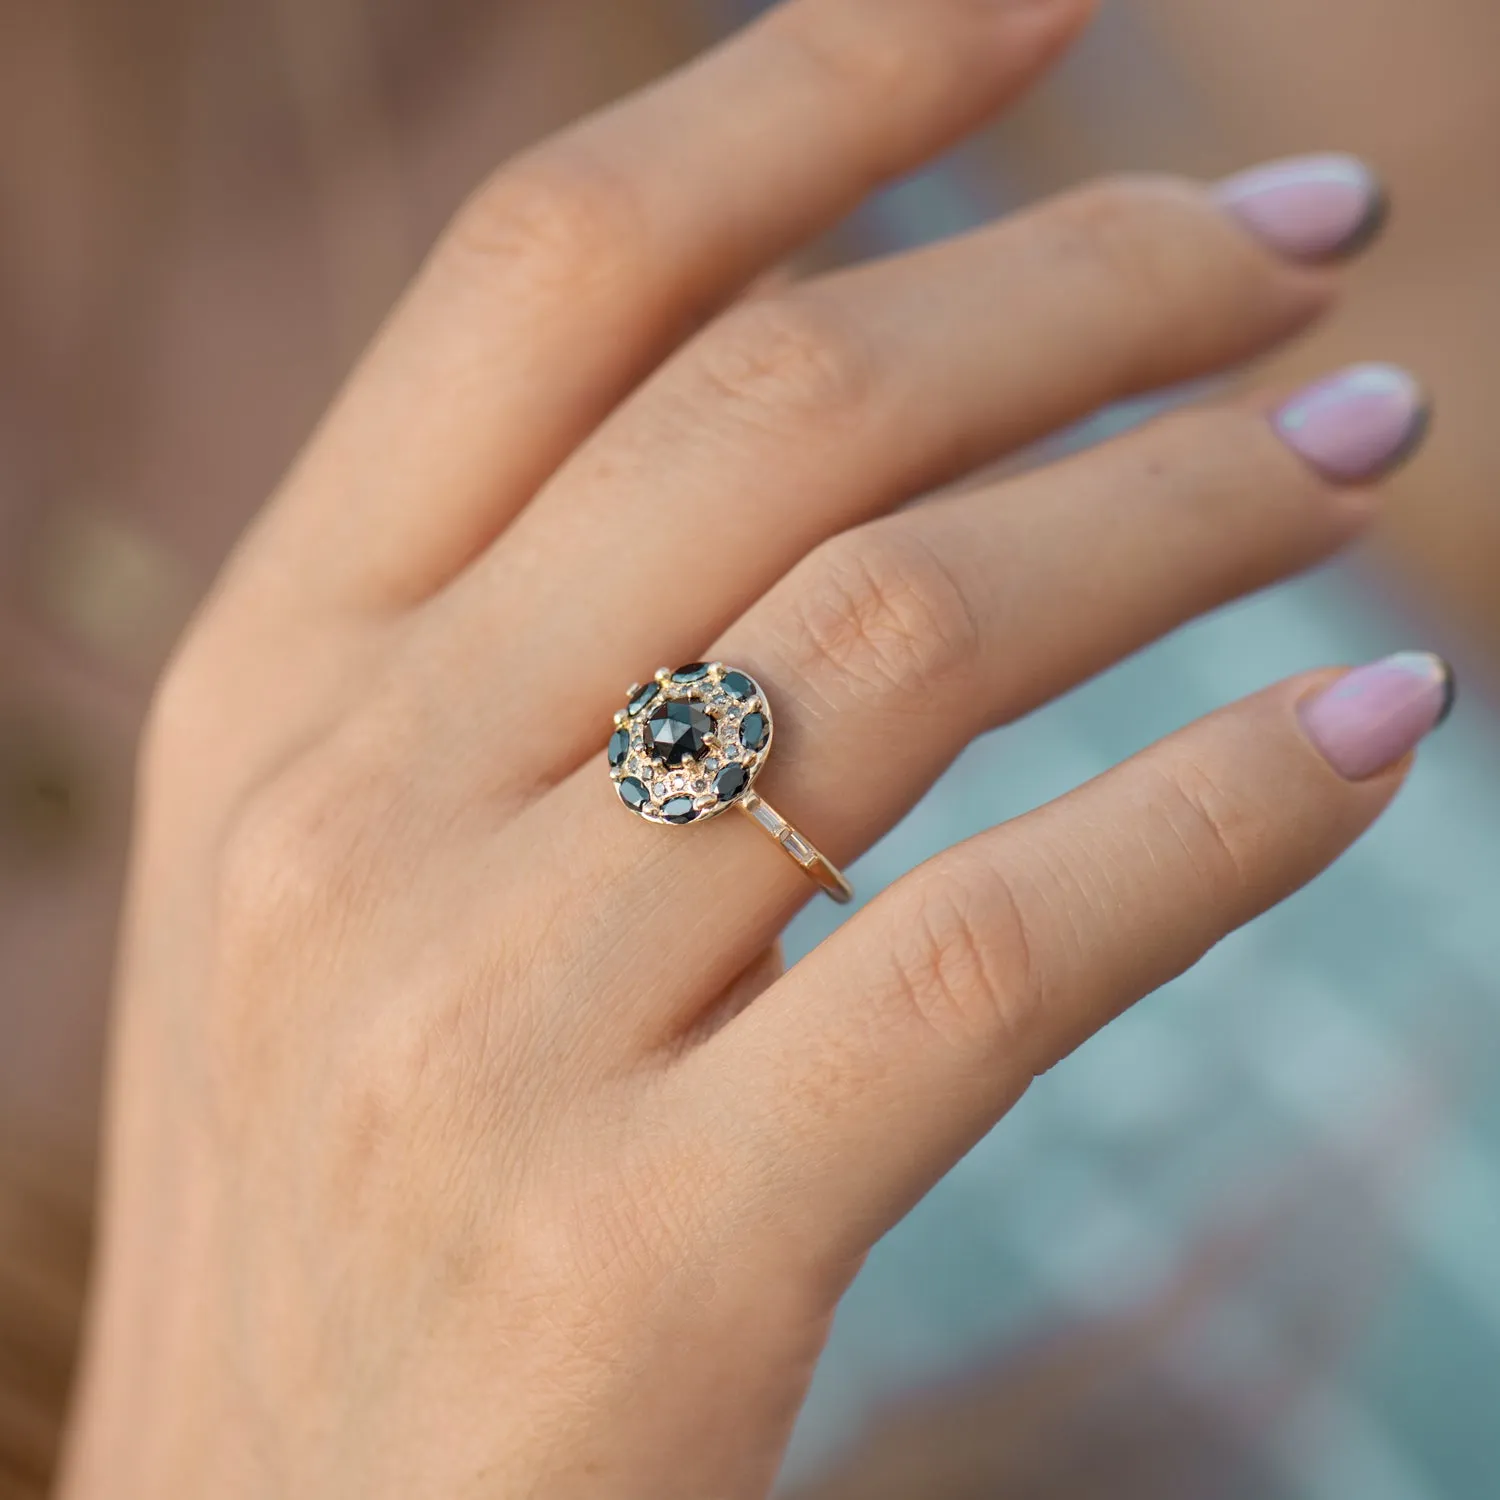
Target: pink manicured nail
1358	424
1311	208
1371	717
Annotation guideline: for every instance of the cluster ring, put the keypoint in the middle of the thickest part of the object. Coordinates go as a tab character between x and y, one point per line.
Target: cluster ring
689	745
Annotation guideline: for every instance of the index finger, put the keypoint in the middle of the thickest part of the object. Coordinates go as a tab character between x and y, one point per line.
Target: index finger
575	269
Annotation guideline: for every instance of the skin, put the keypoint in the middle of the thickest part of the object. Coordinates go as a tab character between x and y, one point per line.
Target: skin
155	386
465	1138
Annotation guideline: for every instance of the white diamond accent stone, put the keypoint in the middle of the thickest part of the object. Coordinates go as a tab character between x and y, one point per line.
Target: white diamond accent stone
797	847
767	819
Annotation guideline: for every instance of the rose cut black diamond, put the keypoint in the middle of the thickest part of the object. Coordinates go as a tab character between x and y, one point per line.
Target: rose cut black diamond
634	794
619	746
694	672
732	781
738	684
678	731
753	731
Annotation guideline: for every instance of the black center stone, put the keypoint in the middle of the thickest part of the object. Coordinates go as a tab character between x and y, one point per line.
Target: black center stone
678	731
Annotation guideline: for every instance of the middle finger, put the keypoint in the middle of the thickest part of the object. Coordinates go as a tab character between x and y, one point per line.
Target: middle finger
804	413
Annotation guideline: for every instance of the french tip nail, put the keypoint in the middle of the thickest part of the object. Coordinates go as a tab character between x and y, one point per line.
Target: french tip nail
1359	424
1373	717
1417	434
1314	209
1450	692
1372	227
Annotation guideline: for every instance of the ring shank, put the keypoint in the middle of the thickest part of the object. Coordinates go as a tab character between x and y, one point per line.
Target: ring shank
815	865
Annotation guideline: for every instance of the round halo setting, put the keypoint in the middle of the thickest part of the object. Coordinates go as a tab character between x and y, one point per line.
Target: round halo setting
692	740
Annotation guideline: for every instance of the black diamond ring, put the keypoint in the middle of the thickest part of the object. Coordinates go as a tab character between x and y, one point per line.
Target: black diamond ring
688	746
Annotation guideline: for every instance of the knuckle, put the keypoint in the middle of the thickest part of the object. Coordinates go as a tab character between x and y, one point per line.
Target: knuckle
1218	830
866	62
275	863
194	697
180	714
556	218
274	891
880	616
1122	228
962	966
293	857
788	362
313	838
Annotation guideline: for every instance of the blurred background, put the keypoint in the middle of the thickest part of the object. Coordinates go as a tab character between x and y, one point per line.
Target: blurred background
1246	1243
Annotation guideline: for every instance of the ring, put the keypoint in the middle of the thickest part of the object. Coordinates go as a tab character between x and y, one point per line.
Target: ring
688	746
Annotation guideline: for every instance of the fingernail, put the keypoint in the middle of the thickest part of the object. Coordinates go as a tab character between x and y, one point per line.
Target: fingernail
1309	208
1372	717
1358	424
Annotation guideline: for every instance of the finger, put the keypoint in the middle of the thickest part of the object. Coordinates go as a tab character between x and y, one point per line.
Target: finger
797	417
849	1088
573	271
895	644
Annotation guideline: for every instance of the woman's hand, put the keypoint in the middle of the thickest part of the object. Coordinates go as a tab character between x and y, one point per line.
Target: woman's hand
466	1139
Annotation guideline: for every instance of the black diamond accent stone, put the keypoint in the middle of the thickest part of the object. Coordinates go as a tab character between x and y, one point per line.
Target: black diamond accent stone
646	695
732	781
619	746
679	810
738	684
753	731
695	672
678	731
633	794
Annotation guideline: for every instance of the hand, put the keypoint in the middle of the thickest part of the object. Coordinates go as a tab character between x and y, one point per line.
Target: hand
466	1139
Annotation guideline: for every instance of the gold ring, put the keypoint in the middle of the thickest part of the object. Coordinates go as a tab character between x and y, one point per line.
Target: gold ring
688	746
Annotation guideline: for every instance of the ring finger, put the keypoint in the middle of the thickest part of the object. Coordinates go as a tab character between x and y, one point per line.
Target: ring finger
896	643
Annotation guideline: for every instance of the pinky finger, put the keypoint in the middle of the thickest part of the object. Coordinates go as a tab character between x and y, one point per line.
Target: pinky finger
858	1080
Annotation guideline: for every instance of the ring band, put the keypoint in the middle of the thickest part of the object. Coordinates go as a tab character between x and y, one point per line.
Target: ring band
815	864
689	744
